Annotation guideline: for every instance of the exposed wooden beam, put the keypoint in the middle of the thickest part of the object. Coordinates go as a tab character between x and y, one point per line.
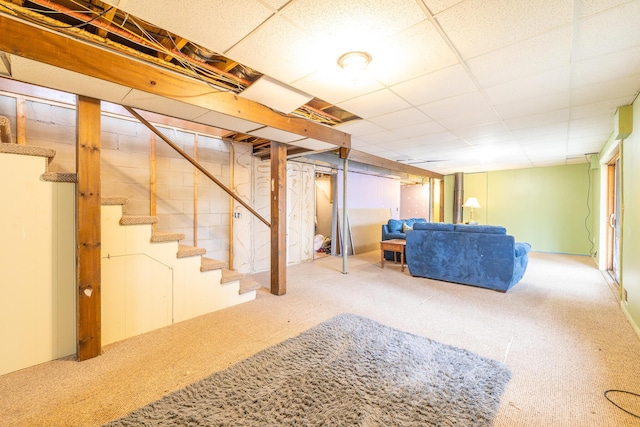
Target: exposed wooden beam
179	44
88	207
278	218
74	55
108	16
21	120
369	159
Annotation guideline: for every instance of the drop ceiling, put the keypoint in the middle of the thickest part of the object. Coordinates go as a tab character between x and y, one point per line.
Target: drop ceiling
453	86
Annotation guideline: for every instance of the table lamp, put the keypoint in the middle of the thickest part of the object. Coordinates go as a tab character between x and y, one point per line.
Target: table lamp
471	202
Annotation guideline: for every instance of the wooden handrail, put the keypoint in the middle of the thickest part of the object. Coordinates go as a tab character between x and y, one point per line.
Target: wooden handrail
153	129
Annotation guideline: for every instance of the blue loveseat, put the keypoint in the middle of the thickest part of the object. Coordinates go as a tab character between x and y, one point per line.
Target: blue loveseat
396	229
478	255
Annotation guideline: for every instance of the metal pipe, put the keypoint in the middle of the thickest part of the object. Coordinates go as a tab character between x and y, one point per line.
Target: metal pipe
458	197
345	229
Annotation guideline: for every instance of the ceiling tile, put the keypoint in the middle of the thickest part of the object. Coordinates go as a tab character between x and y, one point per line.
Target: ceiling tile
440	84
68	81
158	104
331	84
458	105
535	86
269	49
359	127
335	23
606	67
400	119
607	106
487	129
535	55
606	90
223	121
375	104
313	144
608	31
414	52
426	128
437	6
531	106
275	95
204	22
584	8
542	120
384	137
276	135
479	26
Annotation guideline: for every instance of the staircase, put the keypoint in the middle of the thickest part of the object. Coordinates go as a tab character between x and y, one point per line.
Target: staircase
150	280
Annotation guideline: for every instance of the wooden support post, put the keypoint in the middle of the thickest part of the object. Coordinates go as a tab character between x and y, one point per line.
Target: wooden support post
88	227
153	179
195	191
21	120
278	218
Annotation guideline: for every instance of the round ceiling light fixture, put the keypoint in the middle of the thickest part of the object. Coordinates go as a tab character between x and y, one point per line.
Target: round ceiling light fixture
354	63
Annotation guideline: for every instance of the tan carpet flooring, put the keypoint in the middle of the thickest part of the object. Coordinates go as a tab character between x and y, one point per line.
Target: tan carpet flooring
560	330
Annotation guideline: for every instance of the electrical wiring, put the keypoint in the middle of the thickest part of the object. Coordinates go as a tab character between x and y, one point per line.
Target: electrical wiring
50	25
629	393
586	225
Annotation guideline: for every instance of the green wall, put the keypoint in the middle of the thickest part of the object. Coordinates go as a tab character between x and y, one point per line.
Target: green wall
546	207
630	259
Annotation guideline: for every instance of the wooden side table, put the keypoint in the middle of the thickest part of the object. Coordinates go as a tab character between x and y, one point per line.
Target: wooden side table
394	245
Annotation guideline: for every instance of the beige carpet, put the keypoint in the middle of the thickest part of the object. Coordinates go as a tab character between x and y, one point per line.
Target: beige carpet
560	330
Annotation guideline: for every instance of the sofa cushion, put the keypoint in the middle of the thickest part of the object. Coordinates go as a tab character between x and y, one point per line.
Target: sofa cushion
396	235
434	226
395	225
487	229
406	227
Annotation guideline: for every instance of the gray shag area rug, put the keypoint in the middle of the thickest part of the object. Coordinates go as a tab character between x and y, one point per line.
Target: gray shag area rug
347	371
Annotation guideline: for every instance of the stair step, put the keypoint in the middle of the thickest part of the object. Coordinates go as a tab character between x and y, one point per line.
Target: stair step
60	177
27	150
113	201
209	264
161	236
138	220
185	251
248	285
230	276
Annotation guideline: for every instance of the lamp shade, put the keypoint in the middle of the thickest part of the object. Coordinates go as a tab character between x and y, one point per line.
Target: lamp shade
471	202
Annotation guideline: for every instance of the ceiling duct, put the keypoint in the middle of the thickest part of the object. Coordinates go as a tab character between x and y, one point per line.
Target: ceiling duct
623	122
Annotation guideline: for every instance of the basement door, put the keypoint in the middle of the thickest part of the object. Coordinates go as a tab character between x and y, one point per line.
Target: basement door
613	264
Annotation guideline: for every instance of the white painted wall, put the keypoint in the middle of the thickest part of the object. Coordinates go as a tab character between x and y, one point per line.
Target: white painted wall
37	265
368	191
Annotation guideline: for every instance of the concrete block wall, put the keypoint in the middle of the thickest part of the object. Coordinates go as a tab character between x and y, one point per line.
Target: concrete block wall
126	167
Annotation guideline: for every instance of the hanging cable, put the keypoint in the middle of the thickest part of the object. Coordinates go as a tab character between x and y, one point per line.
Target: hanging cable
624	392
586	219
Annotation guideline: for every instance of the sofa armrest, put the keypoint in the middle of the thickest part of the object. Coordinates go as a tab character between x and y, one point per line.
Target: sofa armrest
522	249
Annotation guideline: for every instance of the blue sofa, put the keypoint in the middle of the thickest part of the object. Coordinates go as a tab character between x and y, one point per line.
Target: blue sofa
477	255
396	229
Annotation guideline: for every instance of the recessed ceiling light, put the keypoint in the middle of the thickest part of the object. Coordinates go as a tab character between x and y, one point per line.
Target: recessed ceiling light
354	63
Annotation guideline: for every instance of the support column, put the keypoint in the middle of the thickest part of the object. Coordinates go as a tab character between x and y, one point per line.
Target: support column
278	218
344	154
88	227
458	197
